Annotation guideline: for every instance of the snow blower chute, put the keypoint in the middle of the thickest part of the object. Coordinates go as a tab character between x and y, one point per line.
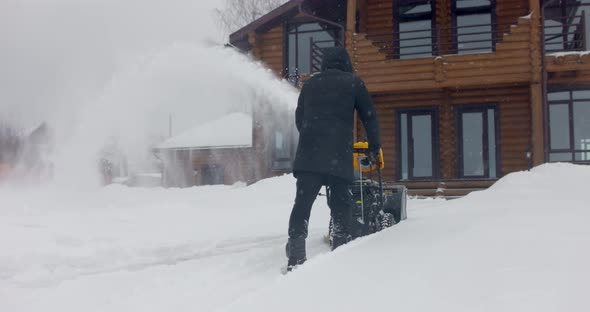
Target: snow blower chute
377	205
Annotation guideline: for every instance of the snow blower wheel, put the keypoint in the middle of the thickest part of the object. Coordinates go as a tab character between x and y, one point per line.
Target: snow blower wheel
376	206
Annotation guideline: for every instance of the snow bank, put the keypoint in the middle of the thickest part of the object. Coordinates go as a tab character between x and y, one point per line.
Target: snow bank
519	246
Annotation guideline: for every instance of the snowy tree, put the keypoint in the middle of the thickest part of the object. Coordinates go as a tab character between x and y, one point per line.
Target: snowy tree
238	13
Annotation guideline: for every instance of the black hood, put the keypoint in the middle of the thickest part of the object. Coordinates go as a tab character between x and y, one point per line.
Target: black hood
336	58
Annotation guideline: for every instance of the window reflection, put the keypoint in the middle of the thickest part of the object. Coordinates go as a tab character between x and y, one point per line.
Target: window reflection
582	125
422	145
404	145
417	144
477	138
473	156
559	121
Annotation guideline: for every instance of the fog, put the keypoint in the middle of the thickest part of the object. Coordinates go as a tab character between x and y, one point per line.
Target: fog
104	71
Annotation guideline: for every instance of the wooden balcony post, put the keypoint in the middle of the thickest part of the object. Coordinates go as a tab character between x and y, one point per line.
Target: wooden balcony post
350	27
351	16
537	93
349	44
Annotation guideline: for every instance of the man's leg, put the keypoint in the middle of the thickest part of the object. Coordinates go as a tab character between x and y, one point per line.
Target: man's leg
341	207
308	186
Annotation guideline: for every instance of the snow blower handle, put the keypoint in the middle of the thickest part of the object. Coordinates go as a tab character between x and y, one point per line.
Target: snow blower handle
374	158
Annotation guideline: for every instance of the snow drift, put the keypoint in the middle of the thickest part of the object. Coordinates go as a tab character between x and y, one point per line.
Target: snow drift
519	246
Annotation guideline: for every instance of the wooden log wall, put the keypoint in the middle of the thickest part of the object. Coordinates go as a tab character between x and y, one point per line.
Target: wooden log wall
566	69
268	47
511	63
377	19
236	164
379	23
508	12
513	104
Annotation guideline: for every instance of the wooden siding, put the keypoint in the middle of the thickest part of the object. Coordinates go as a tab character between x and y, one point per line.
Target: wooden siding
236	163
508	12
268	47
511	63
565	69
379	23
513	104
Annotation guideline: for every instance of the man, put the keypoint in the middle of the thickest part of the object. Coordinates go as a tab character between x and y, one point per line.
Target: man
325	119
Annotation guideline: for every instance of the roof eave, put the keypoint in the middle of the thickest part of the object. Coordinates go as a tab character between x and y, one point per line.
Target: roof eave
239	37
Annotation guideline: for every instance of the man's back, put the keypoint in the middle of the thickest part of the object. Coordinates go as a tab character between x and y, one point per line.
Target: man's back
325	117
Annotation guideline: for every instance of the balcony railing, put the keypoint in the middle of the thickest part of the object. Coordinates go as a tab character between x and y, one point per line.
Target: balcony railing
417	43
568	34
316	54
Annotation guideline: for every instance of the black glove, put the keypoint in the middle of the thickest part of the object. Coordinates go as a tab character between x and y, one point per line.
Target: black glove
373	153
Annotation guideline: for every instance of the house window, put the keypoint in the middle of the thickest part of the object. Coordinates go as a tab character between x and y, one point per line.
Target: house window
569	126
282	152
566	25
212	175
477	142
304	45
414	28
418	144
474	26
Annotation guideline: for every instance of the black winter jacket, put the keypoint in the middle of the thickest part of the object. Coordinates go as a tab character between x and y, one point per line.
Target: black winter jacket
325	118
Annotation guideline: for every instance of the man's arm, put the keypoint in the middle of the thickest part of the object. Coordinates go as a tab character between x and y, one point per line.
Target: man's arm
368	115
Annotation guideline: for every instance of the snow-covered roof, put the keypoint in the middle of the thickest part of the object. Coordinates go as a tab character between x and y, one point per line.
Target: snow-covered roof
231	131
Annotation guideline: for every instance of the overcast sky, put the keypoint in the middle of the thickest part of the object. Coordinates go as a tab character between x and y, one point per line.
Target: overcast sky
55	54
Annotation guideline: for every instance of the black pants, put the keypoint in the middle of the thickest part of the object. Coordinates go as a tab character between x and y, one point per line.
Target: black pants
308	187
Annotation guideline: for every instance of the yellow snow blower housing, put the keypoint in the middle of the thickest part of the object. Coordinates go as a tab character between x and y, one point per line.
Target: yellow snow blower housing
360	150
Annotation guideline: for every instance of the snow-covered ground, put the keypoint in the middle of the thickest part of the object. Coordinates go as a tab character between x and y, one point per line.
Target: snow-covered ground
520	246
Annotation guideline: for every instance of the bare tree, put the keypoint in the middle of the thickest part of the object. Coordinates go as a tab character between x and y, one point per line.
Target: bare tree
10	144
239	13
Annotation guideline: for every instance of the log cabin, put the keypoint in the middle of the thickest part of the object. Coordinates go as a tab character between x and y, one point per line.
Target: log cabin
467	91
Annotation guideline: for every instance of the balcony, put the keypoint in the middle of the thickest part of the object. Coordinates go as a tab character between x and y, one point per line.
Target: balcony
567	59
565	34
462	56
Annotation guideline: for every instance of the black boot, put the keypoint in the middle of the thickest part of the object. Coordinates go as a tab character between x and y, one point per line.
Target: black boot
340	239
295	252
340	232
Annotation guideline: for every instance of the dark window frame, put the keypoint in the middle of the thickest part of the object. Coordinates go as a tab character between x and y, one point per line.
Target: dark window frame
455	12
571	126
433	111
396	26
291	27
478	108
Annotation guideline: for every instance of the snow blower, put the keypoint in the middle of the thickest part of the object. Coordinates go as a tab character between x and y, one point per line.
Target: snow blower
377	205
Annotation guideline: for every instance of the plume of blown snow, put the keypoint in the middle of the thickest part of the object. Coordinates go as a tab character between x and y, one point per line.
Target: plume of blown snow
198	81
